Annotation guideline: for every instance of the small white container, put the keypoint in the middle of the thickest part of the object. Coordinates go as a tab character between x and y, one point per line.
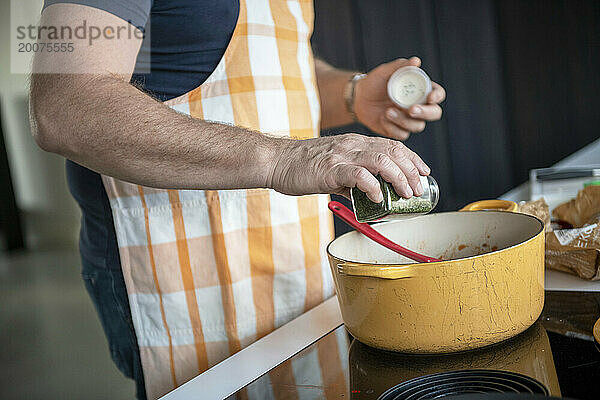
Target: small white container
409	85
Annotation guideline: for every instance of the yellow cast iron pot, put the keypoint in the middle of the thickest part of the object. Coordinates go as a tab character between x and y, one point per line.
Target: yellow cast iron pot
489	287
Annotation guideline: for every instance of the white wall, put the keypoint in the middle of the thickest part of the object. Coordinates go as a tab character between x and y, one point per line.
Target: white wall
50	214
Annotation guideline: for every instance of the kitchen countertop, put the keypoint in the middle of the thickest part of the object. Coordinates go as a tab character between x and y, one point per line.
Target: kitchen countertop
589	155
244	367
557	353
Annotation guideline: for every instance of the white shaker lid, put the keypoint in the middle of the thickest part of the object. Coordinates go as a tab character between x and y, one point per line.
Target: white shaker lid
409	85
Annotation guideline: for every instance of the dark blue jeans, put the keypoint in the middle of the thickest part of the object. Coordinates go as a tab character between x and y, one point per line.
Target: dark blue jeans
107	290
101	271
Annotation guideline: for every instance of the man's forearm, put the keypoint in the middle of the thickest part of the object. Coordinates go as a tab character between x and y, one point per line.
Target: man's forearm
111	127
331	83
106	124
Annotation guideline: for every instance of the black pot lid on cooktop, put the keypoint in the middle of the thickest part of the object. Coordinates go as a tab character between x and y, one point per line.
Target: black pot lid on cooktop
479	382
503	396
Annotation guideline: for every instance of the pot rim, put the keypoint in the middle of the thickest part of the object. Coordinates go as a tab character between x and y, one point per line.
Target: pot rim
390	266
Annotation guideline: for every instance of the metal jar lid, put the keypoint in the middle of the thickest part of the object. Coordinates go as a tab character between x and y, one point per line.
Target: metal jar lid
409	85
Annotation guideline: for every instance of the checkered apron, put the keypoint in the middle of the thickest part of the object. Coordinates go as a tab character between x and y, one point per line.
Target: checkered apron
210	271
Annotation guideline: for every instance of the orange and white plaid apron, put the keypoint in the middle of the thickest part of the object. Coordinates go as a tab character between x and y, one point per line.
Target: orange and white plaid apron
209	272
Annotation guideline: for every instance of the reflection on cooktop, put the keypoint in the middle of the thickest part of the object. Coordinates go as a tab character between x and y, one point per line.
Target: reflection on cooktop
528	354
453	383
558	352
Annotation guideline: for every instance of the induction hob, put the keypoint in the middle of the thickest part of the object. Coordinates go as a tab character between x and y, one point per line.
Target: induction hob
557	356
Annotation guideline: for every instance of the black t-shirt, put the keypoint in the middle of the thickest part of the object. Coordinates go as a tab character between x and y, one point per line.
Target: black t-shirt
187	40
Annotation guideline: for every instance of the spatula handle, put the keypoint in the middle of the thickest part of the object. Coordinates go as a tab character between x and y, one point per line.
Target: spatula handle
348	217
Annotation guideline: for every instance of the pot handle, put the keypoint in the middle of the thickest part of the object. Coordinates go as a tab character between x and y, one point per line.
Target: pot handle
371	271
501	205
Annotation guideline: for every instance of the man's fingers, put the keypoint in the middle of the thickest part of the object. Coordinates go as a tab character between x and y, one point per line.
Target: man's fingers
419	163
381	163
350	176
397	151
426	112
390	159
416	61
404	159
404	121
394	132
389	68
437	95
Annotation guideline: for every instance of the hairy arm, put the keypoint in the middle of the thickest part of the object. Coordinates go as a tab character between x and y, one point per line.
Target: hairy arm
101	121
109	126
92	115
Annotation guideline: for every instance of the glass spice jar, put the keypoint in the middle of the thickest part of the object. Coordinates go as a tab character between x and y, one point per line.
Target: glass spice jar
394	206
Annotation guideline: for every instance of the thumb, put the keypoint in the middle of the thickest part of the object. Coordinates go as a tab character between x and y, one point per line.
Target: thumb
389	68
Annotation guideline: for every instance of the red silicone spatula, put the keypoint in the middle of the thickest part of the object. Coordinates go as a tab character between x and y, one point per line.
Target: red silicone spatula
348	217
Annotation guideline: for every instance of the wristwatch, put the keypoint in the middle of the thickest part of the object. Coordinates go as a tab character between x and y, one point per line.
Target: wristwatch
349	92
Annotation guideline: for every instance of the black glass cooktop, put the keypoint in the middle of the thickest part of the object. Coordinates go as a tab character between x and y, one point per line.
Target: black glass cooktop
557	356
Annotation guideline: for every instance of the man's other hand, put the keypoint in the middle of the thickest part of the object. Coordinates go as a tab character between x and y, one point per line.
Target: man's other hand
375	110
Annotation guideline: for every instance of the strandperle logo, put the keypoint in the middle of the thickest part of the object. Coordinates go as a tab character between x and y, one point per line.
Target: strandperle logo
57	42
83	31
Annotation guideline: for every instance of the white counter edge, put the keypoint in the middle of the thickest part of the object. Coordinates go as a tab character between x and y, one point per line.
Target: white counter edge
237	371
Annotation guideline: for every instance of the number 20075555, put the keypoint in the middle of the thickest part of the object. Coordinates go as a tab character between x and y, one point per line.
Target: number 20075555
47	47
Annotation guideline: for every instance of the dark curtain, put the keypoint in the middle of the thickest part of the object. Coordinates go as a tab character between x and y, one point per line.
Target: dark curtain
552	73
516	98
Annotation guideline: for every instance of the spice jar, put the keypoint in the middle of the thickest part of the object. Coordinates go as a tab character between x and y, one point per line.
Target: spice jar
409	85
394	206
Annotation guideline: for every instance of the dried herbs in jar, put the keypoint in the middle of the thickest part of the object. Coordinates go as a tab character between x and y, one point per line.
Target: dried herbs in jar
394	206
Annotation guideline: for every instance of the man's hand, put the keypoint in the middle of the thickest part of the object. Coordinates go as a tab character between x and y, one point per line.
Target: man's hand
374	109
335	164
